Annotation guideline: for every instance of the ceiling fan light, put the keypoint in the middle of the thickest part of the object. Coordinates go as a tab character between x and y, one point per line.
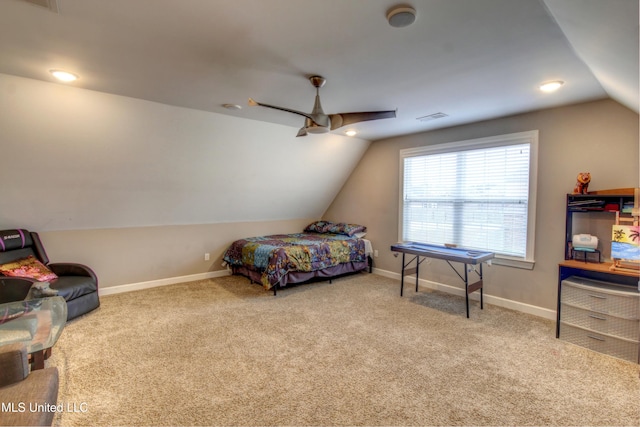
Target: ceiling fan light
312	127
351	132
551	86
317	129
64	76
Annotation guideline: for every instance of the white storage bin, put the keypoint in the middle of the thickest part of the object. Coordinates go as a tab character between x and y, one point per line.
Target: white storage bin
601	322
601	297
602	343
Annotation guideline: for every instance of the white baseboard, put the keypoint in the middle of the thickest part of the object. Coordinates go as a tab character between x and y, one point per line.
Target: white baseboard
161	282
489	299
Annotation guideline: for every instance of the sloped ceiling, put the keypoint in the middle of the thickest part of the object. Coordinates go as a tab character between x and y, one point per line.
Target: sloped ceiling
604	35
79	159
469	59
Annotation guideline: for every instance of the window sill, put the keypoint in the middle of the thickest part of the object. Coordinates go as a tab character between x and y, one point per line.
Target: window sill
513	262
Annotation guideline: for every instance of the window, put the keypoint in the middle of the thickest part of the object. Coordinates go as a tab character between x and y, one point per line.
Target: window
477	194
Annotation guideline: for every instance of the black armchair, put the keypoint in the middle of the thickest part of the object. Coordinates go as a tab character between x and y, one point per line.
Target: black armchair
76	283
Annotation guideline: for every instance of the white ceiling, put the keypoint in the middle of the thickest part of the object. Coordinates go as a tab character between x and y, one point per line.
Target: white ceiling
470	59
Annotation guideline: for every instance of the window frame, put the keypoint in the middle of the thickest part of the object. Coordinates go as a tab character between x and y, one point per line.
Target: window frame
527	137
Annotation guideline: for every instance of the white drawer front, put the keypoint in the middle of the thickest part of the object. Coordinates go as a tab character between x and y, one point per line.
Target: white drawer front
601	322
601	301
602	343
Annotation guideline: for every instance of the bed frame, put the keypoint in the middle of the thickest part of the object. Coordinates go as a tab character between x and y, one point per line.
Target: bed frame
294	277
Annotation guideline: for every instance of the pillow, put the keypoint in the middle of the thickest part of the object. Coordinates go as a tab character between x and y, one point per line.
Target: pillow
348	229
318	226
28	267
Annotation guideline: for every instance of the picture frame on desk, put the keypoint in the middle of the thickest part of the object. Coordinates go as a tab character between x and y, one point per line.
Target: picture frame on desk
625	247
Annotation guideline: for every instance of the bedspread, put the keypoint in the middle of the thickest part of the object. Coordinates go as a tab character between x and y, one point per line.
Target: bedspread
276	255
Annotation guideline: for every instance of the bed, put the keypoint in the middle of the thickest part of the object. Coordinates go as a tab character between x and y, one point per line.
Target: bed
323	250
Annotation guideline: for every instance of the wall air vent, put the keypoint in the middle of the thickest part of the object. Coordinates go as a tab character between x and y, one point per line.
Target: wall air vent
433	116
52	5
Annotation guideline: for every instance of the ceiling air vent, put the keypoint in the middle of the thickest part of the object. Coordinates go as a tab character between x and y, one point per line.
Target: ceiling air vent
433	116
52	5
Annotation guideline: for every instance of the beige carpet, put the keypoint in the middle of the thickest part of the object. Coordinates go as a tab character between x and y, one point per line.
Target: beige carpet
226	352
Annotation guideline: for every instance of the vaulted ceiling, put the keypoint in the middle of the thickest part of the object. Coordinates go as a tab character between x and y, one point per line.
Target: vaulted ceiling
468	59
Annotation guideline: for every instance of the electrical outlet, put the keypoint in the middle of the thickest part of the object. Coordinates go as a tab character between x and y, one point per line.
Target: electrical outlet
206	256
375	253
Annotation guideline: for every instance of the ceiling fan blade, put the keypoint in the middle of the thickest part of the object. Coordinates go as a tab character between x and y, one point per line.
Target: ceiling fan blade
302	132
344	119
253	103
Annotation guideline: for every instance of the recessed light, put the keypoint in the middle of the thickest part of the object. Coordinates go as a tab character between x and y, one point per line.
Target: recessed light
232	106
64	76
351	132
551	86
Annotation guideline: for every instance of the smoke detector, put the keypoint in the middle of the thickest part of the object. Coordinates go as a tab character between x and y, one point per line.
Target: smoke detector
401	16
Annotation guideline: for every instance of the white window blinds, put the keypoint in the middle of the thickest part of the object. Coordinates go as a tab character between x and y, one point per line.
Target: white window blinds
474	194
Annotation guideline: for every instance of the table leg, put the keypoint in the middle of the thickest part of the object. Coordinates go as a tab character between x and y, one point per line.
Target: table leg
417	271
466	288
37	360
481	289
402	275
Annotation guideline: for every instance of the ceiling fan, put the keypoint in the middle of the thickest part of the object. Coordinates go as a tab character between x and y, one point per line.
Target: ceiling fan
319	122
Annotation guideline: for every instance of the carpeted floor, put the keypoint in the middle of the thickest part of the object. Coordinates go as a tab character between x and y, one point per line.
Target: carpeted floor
226	352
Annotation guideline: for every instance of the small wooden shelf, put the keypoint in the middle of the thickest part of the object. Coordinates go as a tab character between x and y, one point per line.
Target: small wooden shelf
616	191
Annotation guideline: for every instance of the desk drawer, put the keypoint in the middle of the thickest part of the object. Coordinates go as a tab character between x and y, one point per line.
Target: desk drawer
601	322
600	297
602	343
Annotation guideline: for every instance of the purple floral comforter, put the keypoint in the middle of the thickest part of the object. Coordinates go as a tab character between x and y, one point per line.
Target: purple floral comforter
276	255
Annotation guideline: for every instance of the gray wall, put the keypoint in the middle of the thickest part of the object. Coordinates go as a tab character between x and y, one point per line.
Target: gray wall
124	256
600	137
